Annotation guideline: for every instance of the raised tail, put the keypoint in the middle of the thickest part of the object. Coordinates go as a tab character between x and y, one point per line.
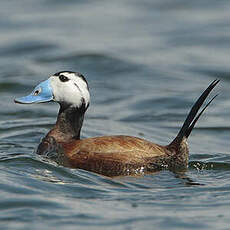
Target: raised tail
193	115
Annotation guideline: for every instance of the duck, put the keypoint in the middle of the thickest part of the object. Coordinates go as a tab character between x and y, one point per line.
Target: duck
115	155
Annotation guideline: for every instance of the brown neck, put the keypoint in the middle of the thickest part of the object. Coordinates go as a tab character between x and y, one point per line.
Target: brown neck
69	123
67	128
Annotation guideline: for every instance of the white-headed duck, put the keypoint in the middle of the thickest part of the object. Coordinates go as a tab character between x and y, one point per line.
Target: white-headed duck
107	155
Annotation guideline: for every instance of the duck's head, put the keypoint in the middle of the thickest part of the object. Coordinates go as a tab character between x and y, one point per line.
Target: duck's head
67	88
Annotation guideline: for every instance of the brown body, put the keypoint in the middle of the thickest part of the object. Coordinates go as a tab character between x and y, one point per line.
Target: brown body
107	155
117	155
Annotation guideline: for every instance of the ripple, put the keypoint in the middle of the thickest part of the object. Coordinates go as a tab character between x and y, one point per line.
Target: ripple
96	61
26	47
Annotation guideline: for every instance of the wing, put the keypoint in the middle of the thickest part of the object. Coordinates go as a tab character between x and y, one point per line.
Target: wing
108	146
111	155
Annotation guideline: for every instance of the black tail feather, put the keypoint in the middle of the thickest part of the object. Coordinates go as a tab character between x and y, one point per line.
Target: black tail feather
192	117
190	128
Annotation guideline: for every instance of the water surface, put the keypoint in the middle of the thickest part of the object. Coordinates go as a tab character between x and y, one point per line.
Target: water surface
146	63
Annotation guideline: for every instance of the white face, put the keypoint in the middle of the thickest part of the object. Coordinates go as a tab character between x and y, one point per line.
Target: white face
70	88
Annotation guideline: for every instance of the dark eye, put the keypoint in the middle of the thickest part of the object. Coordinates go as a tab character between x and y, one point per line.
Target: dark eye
36	92
63	78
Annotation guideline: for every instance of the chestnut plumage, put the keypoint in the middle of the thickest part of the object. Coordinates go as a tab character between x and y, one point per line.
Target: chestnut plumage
107	155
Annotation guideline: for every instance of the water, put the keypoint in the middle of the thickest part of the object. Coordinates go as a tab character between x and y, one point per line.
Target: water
146	62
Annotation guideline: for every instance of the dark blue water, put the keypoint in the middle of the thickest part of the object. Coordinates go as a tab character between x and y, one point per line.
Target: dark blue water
146	63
